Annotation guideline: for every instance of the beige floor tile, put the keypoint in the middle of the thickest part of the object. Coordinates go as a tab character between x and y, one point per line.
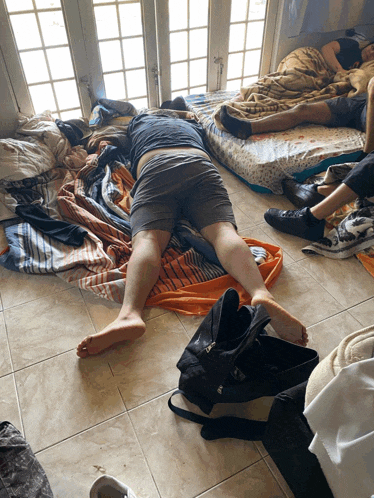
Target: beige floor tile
261	448
259	234
242	220
9	408
279	478
18	288
364	313
5	362
103	311
183	464
255	204
47	326
146	368
300	294
254	482
190	323
232	183
3	240
326	335
64	395
110	448
346	280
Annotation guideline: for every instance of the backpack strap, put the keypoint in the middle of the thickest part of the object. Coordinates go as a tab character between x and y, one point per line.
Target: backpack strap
222	427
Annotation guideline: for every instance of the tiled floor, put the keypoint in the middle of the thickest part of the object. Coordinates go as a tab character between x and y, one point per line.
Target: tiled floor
109	414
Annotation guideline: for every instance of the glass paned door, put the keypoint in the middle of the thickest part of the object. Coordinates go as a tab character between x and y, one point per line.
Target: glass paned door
188	40
40	34
119	26
247	22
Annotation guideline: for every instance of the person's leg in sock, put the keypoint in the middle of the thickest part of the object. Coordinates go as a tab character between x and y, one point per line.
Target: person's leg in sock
142	273
236	258
316	113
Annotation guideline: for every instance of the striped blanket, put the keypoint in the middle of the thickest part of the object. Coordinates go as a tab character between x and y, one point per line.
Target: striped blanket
302	76
97	199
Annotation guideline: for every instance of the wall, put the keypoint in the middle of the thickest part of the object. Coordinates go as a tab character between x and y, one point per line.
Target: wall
8	106
284	45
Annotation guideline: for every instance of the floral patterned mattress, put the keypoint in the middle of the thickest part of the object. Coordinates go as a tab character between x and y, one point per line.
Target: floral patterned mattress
263	161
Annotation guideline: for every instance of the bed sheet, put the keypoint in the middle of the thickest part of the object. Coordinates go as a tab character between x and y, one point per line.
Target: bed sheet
263	161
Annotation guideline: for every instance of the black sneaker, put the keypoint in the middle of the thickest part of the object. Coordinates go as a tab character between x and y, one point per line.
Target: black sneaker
300	223
300	194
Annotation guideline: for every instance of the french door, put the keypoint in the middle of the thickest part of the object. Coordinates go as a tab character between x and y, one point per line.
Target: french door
63	55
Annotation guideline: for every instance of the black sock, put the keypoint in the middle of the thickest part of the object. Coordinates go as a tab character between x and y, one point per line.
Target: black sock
361	157
312	220
237	127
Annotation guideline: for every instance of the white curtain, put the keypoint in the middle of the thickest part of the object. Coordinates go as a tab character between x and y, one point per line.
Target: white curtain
311	16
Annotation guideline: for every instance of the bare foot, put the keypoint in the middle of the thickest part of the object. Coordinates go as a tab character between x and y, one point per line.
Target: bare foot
117	332
285	325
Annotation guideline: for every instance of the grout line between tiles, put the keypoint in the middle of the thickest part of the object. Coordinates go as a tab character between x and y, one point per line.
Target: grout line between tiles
280	484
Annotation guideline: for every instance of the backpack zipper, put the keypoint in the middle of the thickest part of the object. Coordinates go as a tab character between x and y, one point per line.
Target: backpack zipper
208	348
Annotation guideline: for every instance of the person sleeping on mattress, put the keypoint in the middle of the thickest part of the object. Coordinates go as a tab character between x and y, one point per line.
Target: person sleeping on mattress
340	55
174	175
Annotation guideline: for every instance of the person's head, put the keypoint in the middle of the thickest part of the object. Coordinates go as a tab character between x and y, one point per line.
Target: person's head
367	53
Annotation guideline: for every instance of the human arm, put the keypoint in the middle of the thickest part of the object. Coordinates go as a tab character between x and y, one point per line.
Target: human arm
329	52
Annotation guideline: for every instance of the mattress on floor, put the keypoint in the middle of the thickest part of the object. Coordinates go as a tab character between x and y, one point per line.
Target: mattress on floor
263	161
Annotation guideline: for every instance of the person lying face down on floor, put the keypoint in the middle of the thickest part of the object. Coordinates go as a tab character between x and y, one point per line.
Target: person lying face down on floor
339	111
174	173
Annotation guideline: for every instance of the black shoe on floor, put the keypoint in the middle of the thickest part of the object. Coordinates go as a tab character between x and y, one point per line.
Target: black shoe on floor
301	194
300	223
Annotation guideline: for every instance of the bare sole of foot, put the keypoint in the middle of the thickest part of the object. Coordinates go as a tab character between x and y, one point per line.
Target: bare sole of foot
285	325
117	332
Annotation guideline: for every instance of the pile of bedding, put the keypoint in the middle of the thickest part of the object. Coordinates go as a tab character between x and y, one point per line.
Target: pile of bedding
73	220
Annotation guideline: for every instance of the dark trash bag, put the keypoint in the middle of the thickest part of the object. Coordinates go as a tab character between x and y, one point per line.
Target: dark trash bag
230	359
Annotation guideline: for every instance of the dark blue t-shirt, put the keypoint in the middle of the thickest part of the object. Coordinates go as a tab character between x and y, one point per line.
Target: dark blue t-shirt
148	132
350	52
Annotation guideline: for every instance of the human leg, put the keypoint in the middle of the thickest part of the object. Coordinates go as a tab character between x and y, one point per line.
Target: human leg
369	142
236	258
142	273
316	113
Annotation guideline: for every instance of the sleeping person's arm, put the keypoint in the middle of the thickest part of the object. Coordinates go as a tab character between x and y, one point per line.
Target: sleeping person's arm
329	53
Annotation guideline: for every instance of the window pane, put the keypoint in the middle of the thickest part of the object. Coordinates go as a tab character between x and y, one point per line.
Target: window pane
26	31
67	95
136	83
236	40
198	13
106	22
235	66
75	114
255	31
249	81
53	28
252	62
198	72
47	4
133	50
131	19
238	10
42	98
60	64
115	86
177	14
257	9
110	54
178	46
179	75
34	66
198	43
182	93
18	5
139	103
233	85
199	89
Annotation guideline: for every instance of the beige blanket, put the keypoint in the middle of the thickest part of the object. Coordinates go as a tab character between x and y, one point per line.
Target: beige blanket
303	76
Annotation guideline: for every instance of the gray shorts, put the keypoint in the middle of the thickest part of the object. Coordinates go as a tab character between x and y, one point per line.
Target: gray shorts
174	186
348	111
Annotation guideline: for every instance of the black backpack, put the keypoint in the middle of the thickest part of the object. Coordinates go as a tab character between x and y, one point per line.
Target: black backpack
231	359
